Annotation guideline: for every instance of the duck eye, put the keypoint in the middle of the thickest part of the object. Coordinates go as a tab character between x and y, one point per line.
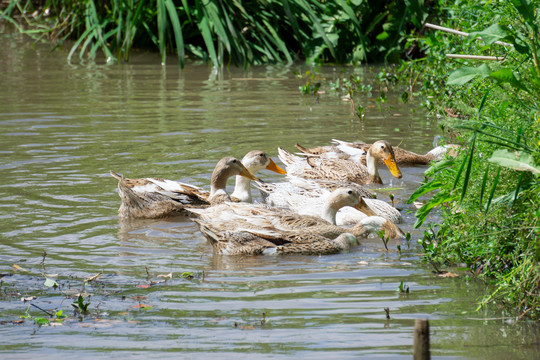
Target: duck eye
349	192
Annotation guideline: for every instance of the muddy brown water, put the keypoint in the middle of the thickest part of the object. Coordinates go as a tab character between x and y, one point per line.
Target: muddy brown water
65	126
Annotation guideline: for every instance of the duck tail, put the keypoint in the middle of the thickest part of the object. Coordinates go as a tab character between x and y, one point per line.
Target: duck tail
116	175
286	157
208	233
129	198
303	149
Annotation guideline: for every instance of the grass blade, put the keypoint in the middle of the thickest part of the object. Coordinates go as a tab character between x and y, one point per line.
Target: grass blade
458	175
492	192
206	33
518	187
294	24
482	189
177	28
162	24
317	25
424	189
79	41
469	166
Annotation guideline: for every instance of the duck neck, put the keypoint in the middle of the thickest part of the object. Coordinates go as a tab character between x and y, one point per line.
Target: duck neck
218	182
372	169
330	208
242	189
329	214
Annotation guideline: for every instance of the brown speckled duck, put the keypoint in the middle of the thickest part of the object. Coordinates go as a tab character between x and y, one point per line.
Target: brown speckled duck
257	220
245	241
357	151
157	198
317	167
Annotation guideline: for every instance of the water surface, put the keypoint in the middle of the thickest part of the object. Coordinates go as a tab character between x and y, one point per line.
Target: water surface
65	126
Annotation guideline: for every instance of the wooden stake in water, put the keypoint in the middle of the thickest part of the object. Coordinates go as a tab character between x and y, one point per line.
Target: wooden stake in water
421	340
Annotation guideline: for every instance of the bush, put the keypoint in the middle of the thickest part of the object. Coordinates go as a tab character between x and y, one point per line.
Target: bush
489	195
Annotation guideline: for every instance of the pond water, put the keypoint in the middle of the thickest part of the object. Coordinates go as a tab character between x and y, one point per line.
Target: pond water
65	126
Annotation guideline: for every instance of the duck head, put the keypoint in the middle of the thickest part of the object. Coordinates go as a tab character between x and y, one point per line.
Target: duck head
225	168
382	150
257	160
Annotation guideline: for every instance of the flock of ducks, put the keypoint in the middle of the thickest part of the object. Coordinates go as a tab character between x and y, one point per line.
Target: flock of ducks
322	208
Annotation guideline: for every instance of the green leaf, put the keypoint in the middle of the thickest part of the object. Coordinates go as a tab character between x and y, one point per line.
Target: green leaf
438	166
464	161
42	321
506	75
206	33
493	33
424	189
50	283
525	9
436	200
484	181
383	36
517	160
465	74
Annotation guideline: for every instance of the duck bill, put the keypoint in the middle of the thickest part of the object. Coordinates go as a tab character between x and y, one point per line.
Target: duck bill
273	167
363	207
392	166
247	174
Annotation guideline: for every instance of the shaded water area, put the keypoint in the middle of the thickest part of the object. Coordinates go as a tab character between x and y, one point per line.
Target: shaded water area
65	126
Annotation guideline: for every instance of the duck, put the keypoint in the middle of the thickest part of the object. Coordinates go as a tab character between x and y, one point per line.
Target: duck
357	151
154	198
268	242
306	196
230	216
318	167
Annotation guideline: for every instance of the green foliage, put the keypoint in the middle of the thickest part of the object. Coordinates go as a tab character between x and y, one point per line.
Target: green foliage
521	161
56	317
81	305
50	283
254	32
489	195
403	289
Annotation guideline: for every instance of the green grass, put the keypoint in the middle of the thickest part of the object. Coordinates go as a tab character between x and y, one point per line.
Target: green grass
223	32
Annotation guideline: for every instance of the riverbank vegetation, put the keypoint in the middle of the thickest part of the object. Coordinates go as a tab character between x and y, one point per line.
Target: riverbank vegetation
223	32
488	196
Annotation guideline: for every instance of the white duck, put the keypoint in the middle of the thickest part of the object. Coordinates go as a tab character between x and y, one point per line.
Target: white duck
307	196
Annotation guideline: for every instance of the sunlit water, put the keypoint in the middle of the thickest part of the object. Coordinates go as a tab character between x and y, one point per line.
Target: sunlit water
65	126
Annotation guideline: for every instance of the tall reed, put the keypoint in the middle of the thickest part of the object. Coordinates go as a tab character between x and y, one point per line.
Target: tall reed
224	31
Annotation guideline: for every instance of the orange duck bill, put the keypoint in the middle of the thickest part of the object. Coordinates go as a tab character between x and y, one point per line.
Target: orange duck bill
392	166
273	167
